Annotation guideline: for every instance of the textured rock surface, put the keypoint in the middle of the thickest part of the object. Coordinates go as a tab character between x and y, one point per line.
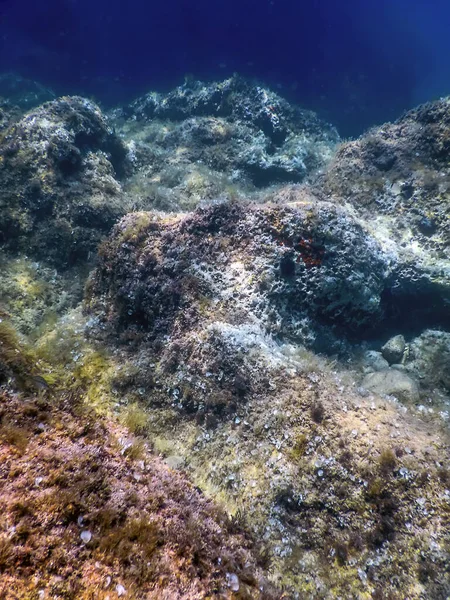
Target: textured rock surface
397	176
299	271
199	334
394	349
392	382
429	358
34	294
206	140
401	169
58	181
330	481
201	305
91	509
374	361
303	269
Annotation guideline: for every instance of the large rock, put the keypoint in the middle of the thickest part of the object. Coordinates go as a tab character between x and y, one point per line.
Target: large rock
196	310
59	188
429	359
206	314
397	177
401	169
307	272
374	361
202	141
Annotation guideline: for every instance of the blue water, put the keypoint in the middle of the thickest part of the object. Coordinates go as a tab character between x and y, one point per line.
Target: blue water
356	62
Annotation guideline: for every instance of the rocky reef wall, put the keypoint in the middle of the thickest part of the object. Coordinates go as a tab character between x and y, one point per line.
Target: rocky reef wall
203	286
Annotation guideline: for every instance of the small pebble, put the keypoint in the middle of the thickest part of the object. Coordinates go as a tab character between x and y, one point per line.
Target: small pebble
232	582
86	536
121	591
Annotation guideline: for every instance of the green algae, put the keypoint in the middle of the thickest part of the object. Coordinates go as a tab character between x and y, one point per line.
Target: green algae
16	359
135	418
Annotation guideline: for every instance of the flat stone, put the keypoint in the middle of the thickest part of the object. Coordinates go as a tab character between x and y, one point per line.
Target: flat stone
391	382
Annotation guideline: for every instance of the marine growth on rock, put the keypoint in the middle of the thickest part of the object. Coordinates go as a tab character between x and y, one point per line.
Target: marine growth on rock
224	349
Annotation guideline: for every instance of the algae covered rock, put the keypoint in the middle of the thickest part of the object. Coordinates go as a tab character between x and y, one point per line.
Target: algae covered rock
397	177
401	169
305	270
301	271
59	189
16	362
321	473
429	359
201	333
236	98
96	504
34	294
205	140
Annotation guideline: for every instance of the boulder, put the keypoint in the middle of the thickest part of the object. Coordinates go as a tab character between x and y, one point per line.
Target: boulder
394	349
374	361
60	167
205	140
429	359
401	170
306	272
397	178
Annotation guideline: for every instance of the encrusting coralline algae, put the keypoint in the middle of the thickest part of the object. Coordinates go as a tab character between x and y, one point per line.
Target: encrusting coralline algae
269	316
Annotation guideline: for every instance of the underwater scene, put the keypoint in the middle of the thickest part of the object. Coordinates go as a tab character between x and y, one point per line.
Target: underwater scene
224	300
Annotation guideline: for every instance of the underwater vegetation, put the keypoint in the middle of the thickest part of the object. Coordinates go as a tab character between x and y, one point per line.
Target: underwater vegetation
18	363
97	522
229	139
230	376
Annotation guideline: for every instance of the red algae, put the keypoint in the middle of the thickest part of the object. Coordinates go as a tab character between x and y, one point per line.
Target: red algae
83	519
